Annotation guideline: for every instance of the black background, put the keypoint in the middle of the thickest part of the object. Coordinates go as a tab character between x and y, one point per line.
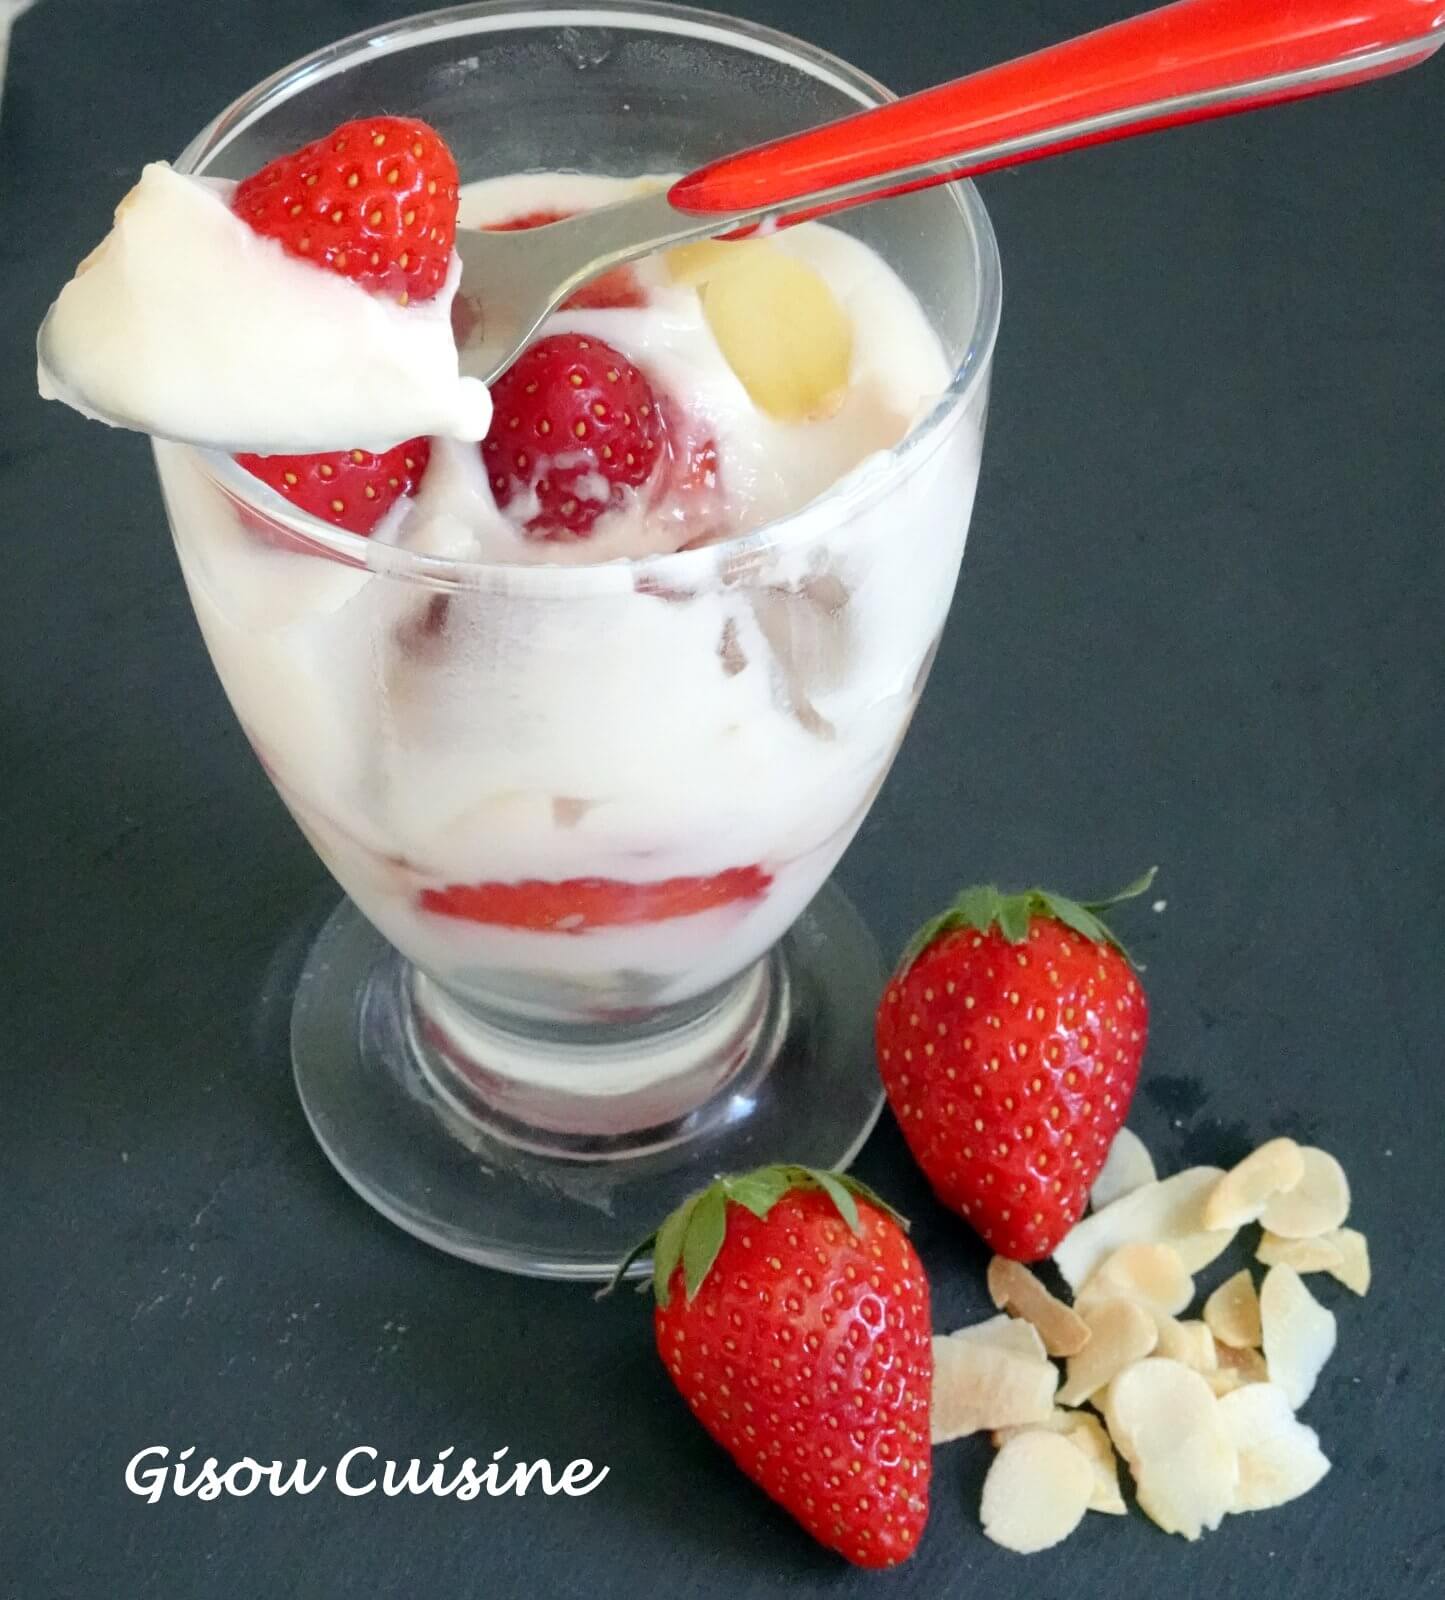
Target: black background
1199	624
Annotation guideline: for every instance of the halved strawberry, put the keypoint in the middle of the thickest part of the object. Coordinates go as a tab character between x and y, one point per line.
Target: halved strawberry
352	489
578	905
574	424
375	200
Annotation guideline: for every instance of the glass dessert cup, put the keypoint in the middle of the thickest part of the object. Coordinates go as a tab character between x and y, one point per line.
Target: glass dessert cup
584	816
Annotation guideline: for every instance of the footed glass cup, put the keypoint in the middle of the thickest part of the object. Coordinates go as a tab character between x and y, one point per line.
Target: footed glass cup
584	816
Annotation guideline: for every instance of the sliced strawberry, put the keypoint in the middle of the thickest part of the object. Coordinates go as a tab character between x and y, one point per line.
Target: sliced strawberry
617	290
570	414
351	489
577	905
375	200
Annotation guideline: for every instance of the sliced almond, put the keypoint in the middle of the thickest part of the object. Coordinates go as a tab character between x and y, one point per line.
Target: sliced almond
783	332
1129	1166
1318	1203
1086	1433
1121	1332
1170	1212
1299	1333
1232	1312
1354	1268
1236	1370
1188	1342
1165	1421
1244	1191
1036	1492
697	263
977	1385
1279	1457
1084	1430
1012	1287
1007	1333
1304	1255
1152	1274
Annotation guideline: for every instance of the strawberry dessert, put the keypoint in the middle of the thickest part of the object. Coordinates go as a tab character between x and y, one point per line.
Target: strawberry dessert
579	687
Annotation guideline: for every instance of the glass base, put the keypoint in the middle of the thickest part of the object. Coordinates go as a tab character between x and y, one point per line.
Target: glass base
552	1153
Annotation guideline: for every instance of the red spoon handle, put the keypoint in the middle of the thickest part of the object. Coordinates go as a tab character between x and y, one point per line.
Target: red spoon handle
1185	62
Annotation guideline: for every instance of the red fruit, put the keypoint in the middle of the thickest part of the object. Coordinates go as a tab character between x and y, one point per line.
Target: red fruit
615	290
375	200
569	411
352	489
1009	1043
792	1315
577	905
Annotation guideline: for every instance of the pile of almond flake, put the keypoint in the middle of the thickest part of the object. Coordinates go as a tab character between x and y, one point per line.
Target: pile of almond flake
1202	1409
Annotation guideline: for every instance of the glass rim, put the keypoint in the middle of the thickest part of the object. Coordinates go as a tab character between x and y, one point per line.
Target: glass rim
860	487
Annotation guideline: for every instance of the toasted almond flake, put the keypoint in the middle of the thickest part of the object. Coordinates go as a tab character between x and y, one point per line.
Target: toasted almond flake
1129	1166
1236	1370
1232	1312
1354	1268
1012	1287
1189	1342
1299	1333
1318	1203
977	1386
1083	1430
1152	1274
1279	1457
1008	1333
1320	1254
1170	1212
1164	1419
1121	1332
1244	1191
1036	1493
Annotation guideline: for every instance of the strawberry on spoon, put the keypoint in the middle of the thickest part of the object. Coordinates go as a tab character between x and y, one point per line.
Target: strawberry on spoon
793	1316
376	202
1009	1043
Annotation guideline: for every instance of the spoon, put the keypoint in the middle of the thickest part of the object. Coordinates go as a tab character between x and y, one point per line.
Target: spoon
1183	63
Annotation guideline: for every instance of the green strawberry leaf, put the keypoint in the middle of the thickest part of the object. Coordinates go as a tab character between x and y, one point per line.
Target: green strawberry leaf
1075	916
1130	891
759	1191
667	1250
1013	917
979	907
706	1227
837	1192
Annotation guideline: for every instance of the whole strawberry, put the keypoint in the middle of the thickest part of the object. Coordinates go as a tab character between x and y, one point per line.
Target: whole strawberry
1009	1042
792	1314
574	424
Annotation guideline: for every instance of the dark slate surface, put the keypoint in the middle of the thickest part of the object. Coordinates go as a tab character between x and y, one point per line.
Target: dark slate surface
1200	623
